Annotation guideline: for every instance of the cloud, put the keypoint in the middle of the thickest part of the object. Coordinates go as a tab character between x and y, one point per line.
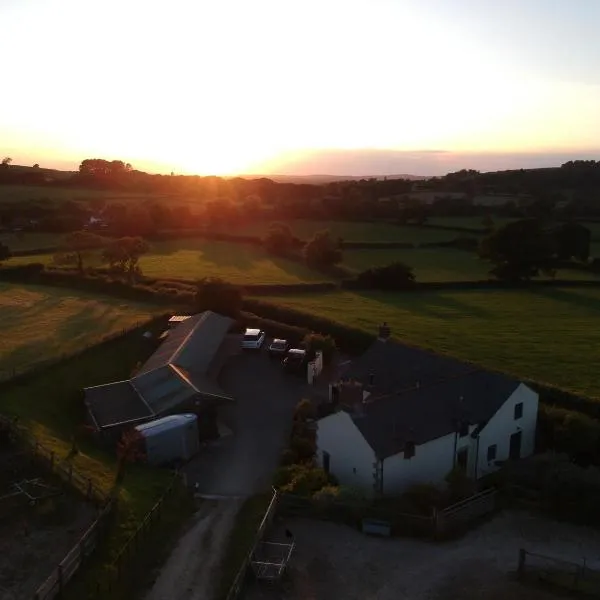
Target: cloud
417	162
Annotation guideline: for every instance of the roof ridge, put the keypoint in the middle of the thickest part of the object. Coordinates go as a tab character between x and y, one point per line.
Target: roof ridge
414	388
179	349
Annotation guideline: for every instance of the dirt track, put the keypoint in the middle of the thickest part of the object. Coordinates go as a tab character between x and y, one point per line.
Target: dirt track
191	571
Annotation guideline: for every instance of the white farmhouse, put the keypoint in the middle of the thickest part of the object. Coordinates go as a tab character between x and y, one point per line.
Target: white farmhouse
406	416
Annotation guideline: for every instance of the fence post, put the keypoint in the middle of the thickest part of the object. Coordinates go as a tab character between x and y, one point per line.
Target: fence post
521	567
60	579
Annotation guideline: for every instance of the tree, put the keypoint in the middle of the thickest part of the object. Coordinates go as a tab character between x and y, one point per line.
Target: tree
279	239
325	343
520	250
124	255
6	161
36	166
572	241
212	293
395	276
322	251
77	245
4	251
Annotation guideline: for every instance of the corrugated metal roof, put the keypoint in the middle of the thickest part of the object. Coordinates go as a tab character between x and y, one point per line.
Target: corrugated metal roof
115	403
179	370
165	424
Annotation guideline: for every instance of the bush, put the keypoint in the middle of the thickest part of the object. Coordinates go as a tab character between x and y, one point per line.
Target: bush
395	276
303	448
422	498
305	481
305	411
314	342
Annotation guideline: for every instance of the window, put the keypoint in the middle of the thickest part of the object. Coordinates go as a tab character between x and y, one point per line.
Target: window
463	429
409	450
518	410
491	452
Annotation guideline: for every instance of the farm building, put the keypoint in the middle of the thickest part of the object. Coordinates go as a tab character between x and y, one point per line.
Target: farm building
407	416
181	376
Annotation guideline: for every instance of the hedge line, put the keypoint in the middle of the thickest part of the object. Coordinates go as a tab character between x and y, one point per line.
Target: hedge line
475	230
34	251
376	245
349	339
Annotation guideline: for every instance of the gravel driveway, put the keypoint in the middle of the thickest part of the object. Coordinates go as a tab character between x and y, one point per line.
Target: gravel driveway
260	419
334	561
231	468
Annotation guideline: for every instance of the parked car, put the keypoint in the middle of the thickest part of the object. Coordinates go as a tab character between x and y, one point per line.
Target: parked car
295	361
253	339
278	348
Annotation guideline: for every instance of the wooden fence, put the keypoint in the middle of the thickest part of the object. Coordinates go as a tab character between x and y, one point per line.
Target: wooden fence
448	521
236	586
118	570
459	516
61	467
582	576
76	557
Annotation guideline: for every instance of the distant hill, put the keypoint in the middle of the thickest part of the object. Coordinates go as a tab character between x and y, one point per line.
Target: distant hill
321	179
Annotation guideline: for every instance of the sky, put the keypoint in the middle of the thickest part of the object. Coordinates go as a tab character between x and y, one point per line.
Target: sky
354	87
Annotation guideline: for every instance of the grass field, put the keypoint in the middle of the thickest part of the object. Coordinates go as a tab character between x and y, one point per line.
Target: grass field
30	241
40	323
437	264
195	258
550	335
351	231
470	222
19	193
50	406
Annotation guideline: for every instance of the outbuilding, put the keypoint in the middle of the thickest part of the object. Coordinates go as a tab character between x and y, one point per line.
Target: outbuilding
172	438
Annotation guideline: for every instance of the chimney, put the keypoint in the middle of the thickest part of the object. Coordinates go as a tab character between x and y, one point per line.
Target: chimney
384	332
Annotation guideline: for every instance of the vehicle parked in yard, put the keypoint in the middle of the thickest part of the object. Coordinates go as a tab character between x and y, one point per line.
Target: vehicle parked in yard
295	361
253	339
278	348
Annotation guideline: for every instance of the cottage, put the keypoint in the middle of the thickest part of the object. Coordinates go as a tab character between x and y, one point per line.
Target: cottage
407	416
181	376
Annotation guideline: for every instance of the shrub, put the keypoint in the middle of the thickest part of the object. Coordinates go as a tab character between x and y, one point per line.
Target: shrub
304	449
422	498
213	293
327	494
314	342
395	276
460	486
306	481
305	411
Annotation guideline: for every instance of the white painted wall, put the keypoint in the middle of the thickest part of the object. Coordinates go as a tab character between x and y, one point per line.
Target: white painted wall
503	424
351	458
430	464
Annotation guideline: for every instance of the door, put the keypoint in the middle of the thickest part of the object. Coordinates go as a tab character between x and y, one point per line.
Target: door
462	458
515	445
326	459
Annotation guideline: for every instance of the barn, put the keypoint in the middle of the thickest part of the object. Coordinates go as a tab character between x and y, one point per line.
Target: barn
181	376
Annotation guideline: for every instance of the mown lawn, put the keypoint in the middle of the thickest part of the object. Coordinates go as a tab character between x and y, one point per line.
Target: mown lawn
41	323
51	408
549	335
437	264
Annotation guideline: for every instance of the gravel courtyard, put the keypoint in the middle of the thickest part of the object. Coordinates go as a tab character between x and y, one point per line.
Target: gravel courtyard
335	561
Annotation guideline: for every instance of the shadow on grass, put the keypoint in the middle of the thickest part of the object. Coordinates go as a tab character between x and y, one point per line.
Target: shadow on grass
569	296
432	304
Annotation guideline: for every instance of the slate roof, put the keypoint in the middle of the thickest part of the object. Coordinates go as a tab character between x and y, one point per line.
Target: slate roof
448	392
115	403
396	367
184	366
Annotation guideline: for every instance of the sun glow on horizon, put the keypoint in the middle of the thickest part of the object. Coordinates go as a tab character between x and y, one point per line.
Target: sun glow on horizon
234	87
